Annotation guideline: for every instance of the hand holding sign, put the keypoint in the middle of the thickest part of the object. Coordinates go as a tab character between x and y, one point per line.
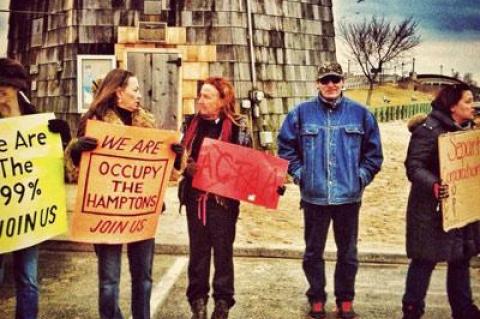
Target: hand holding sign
83	144
61	127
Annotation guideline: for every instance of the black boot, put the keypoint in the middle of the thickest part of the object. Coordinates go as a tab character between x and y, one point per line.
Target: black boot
221	310
412	312
471	313
199	309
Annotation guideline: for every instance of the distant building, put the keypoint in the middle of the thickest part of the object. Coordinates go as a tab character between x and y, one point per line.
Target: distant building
429	83
171	45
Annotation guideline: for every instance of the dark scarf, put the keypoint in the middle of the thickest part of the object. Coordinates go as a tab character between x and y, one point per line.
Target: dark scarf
225	134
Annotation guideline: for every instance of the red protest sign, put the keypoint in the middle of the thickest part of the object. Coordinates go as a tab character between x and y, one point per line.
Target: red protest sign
240	173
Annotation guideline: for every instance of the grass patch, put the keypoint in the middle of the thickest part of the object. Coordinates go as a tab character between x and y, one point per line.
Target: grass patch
396	95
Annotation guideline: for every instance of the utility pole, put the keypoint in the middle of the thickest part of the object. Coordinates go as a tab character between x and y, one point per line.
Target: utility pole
413	65
403	64
441	69
348	67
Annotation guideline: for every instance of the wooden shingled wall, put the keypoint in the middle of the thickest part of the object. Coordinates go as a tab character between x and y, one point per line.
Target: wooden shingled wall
291	38
48	44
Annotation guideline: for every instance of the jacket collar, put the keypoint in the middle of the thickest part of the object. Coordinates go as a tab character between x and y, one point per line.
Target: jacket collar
448	122
330	104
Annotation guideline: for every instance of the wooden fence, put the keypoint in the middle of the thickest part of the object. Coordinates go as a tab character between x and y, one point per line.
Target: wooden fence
399	112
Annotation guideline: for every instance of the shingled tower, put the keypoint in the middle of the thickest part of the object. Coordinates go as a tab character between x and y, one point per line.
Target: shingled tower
289	39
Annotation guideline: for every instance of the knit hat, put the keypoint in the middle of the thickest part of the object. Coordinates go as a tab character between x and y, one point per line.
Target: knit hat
12	73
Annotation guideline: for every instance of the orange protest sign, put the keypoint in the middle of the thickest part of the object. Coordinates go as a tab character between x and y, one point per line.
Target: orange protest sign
460	168
122	183
240	173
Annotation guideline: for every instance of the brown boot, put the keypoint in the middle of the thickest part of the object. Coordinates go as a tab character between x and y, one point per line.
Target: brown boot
199	309
221	310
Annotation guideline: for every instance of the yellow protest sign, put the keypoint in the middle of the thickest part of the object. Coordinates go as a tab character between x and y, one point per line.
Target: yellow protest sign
32	190
122	183
460	168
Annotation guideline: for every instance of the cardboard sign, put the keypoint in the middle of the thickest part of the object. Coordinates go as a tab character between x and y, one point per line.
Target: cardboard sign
460	168
32	190
122	183
239	173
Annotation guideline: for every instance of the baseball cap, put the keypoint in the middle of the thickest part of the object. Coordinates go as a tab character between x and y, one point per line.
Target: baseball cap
331	68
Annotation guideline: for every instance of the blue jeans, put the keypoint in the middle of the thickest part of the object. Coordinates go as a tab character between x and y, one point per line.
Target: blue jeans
140	258
25	263
345	229
458	288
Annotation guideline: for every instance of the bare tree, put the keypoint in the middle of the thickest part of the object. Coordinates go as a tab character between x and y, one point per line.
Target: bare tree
376	42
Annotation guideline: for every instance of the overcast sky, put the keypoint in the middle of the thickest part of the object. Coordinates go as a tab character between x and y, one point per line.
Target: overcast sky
450	31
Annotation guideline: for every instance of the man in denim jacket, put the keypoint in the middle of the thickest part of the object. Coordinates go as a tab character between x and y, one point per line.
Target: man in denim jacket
333	147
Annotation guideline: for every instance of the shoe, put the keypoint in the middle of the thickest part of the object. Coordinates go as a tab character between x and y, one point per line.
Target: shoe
412	312
317	310
199	309
471	313
345	310
221	310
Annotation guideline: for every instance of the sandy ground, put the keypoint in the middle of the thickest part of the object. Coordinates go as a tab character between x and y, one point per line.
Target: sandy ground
382	221
383	209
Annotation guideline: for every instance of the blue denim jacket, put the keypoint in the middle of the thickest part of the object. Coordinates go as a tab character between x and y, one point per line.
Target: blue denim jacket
333	152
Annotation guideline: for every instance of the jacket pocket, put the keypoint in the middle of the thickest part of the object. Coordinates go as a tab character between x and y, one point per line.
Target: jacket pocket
309	134
353	144
354	129
354	136
309	130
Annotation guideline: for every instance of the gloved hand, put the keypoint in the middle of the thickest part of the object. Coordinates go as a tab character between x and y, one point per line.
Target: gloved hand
281	190
60	126
83	144
191	168
177	148
440	191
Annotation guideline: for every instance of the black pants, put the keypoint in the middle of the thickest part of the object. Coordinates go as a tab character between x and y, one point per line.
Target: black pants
458	288
219	234
345	230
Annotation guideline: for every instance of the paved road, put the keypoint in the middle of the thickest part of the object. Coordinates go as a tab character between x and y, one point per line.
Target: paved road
267	288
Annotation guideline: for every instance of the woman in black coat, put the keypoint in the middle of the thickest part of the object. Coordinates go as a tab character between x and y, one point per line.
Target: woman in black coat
427	242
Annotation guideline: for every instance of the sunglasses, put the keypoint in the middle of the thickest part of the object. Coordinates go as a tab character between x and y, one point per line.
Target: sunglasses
330	78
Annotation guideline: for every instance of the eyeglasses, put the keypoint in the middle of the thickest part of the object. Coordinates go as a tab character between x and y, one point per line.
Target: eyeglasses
330	78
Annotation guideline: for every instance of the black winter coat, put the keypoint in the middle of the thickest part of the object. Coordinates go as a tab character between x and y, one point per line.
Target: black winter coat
426	238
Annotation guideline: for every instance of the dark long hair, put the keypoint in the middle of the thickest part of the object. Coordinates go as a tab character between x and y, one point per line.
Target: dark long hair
449	96
105	97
